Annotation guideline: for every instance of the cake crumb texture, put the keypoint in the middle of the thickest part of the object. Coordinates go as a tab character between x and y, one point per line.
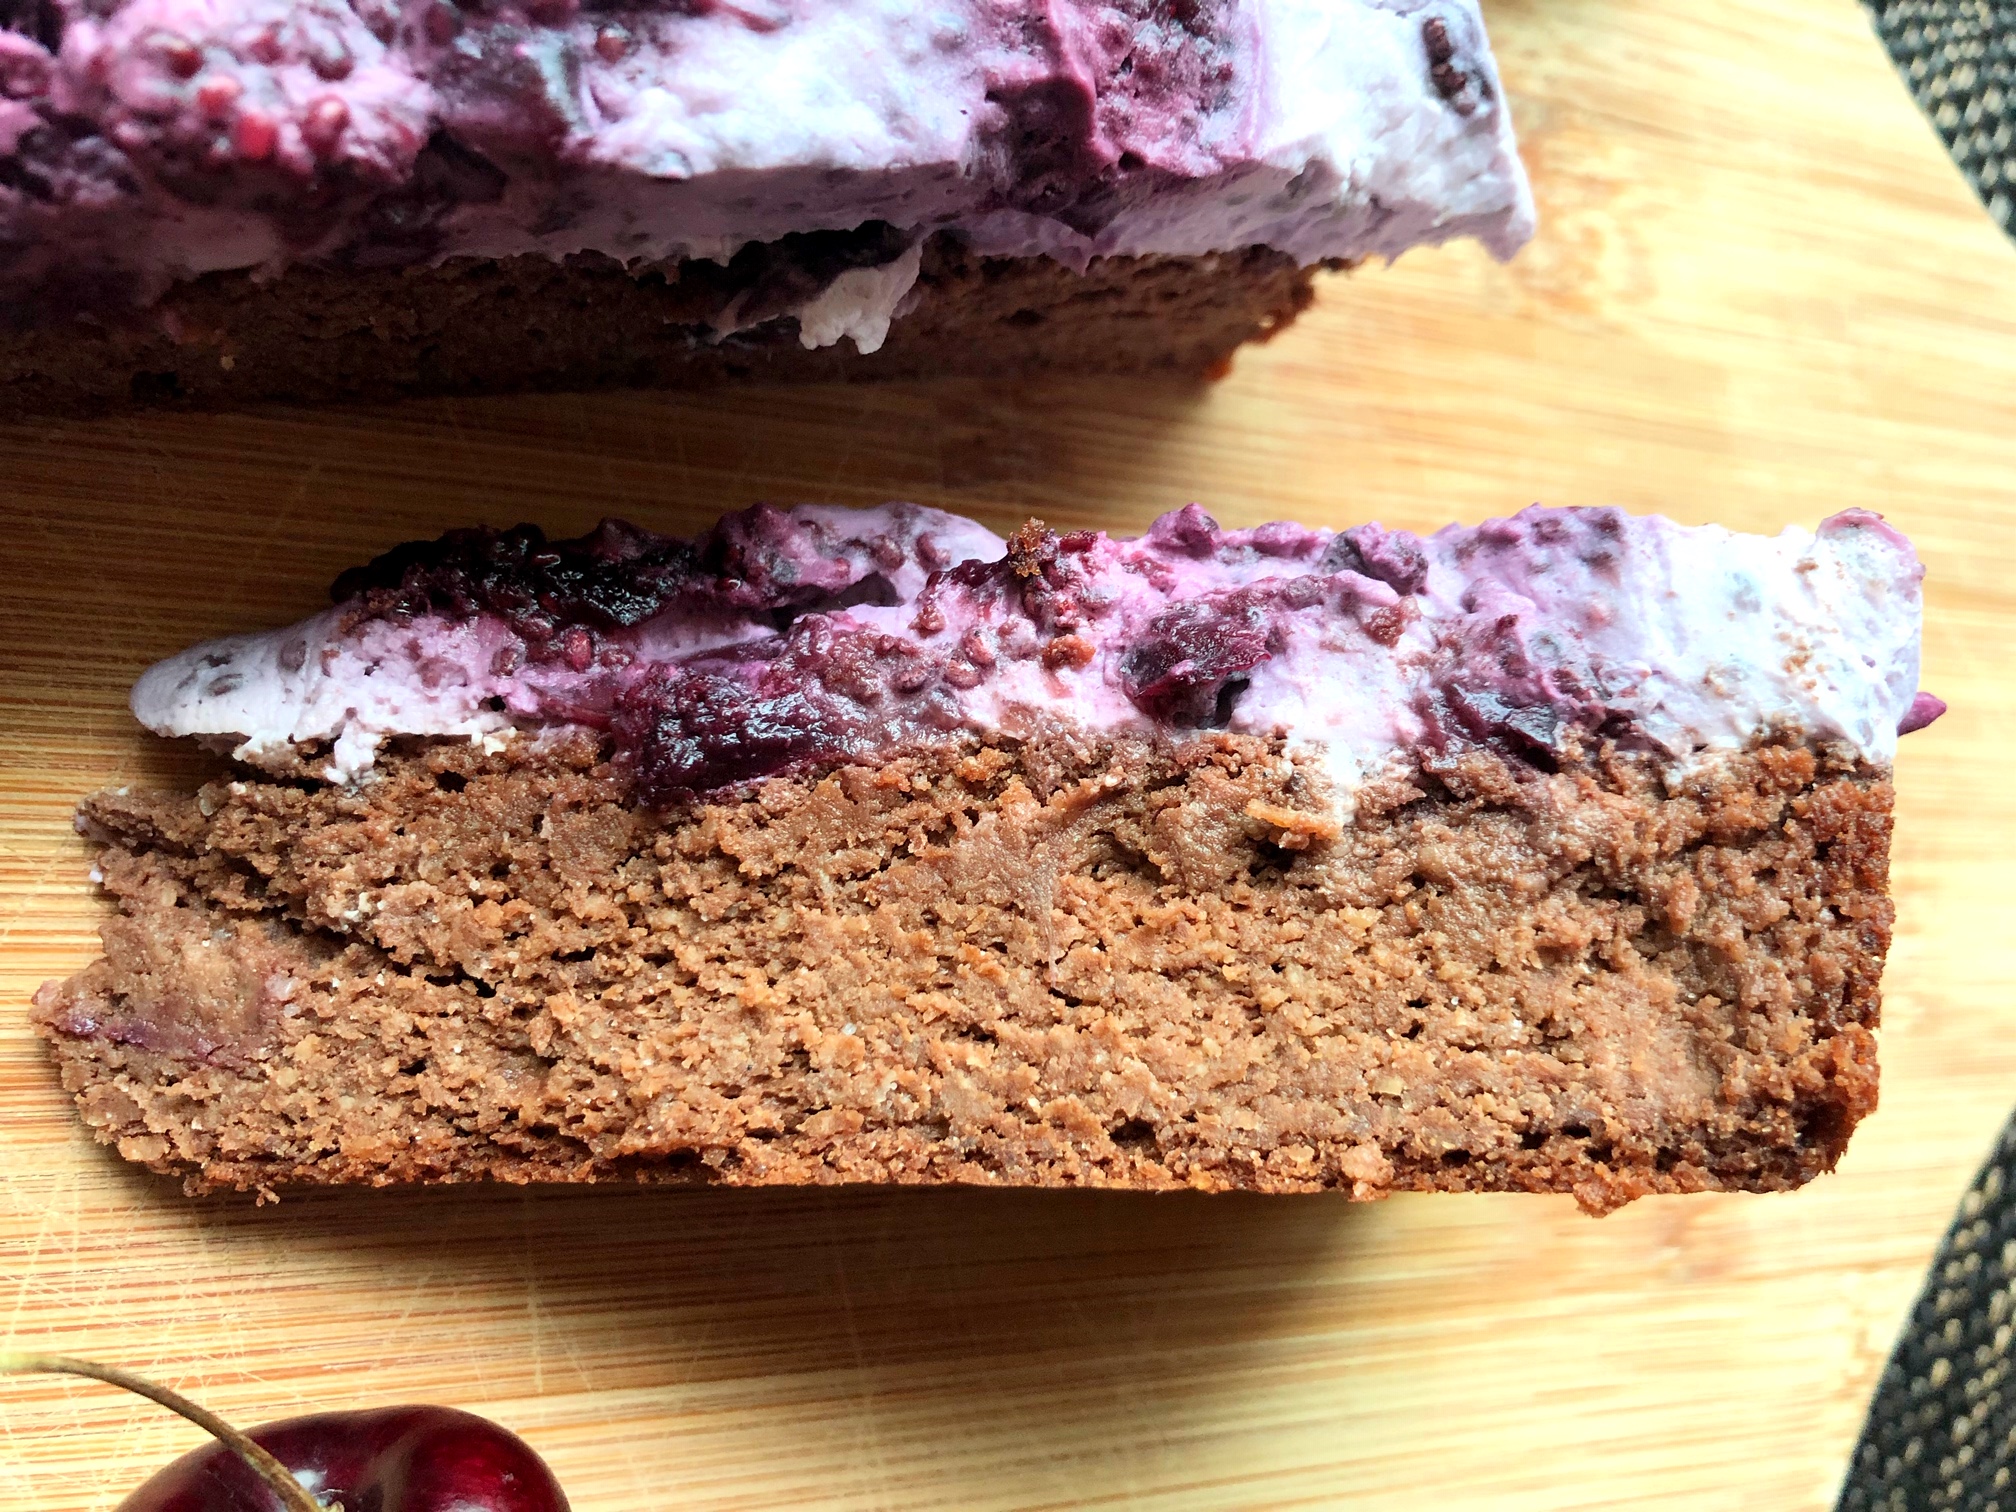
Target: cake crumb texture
477	325
1061	961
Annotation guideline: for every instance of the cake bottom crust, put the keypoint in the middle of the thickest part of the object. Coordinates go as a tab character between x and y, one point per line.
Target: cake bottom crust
1050	963
502	325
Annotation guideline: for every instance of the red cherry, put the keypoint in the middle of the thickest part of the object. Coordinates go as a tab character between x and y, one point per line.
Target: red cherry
394	1459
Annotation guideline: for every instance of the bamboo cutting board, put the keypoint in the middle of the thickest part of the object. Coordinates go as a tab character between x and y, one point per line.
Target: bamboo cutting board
1760	294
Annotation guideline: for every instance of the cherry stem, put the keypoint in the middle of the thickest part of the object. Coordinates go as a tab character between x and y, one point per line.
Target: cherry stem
293	1496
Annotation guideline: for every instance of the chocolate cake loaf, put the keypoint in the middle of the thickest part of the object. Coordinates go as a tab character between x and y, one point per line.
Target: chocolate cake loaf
225	200
1545	855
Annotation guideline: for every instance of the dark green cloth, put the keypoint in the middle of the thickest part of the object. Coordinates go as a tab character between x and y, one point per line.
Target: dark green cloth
1941	1432
1959	57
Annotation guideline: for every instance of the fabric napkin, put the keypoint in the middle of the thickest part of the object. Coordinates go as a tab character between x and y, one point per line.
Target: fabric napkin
1941	1432
1959	57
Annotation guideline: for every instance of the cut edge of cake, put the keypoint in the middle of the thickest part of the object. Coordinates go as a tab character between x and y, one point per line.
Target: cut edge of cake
217	205
478	326
1131	940
1062	962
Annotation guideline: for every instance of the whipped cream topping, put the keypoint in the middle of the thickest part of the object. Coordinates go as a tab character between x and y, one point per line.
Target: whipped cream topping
146	141
785	638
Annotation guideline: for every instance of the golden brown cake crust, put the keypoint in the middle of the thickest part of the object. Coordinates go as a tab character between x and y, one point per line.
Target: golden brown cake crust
1057	962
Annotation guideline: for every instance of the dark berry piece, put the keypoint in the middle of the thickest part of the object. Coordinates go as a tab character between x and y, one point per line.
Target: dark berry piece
824	692
1188	531
1392	557
40	19
1184	659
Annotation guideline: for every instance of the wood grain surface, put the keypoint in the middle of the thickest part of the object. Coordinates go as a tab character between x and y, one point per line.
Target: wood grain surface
1760	294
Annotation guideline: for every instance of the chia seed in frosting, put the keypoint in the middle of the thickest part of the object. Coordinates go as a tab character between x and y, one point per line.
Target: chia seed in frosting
144	142
782	640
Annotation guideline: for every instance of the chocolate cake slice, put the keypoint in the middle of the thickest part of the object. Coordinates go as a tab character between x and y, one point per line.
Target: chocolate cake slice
227	200
1544	855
